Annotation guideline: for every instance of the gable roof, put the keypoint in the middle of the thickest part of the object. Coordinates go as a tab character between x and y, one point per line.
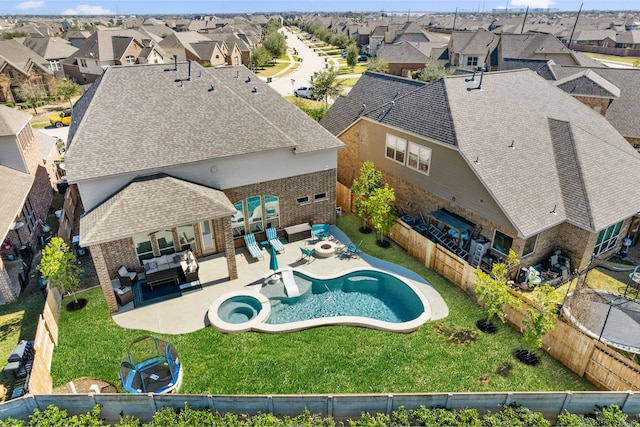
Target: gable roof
50	47
12	121
12	197
588	83
169	122
21	58
565	152
122	215
404	52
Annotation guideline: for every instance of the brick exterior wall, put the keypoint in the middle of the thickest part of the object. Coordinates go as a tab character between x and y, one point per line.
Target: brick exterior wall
574	242
6	288
97	254
598	104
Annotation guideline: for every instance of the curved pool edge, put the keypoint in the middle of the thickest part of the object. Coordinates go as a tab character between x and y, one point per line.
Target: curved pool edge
258	323
247	326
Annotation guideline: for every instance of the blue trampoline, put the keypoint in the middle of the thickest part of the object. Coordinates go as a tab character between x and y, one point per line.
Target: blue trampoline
151	366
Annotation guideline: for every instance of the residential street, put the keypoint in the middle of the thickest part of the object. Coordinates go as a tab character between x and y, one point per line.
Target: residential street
311	62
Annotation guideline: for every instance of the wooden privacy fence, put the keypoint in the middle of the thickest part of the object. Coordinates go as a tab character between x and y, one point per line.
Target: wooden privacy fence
340	407
343	197
587	357
40	381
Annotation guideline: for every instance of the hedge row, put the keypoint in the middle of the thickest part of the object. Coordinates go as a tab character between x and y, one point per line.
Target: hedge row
511	415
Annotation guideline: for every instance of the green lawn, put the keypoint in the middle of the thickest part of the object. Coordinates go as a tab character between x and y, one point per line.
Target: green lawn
627	59
273	69
323	360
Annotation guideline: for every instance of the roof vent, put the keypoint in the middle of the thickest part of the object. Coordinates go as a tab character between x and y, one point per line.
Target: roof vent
212	88
254	90
477	160
248	79
479	87
237	74
513	144
175	64
553	212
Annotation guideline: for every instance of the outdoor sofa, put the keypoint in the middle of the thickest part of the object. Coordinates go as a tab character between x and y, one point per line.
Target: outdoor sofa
167	268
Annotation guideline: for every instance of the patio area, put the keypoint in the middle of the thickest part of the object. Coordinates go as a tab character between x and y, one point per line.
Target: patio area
188	312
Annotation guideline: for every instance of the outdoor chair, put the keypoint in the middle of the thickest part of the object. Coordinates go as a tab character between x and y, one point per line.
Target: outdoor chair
320	231
272	237
308	253
252	246
127	278
354	250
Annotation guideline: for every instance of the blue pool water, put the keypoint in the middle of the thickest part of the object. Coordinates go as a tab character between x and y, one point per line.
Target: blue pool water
365	293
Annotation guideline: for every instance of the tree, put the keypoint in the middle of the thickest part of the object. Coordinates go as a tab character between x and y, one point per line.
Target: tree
327	85
275	44
67	89
59	267
33	94
315	113
378	65
383	213
340	41
260	56
432	72
14	34
492	290
362	188
272	27
352	55
540	316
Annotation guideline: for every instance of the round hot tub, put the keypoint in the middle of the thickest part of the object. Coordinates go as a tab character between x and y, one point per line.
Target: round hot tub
237	312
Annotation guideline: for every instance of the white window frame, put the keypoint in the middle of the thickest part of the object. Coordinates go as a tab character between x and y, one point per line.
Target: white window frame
83	63
399	149
533	248
130	60
303	201
472	61
420	166
54	65
320	197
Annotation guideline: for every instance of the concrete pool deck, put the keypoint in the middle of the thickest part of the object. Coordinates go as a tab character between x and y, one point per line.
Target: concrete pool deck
188	313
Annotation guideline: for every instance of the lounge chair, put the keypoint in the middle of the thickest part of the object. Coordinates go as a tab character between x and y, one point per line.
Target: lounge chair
272	237
127	278
320	231
252	246
308	253
354	250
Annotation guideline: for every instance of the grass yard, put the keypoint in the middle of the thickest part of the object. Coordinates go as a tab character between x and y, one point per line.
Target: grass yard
273	69
323	360
350	82
358	69
626	59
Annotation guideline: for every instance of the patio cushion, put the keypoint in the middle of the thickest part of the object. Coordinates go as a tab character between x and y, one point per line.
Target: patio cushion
149	264
122	271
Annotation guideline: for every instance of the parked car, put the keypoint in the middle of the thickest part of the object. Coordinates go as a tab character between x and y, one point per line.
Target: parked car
62	119
363	58
304	92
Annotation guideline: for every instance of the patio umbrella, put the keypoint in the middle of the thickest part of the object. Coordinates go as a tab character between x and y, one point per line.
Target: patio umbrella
273	262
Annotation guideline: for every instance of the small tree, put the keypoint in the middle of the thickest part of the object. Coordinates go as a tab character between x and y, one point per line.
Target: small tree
432	72
260	56
492	290
362	188
383	213
31	93
327	84
59	267
540	317
378	65
352	55
67	89
275	44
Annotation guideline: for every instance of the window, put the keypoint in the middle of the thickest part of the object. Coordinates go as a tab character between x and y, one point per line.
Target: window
83	62
302	200
142	243
396	148
10	73
472	61
419	158
529	246
319	197
130	60
254	211
54	65
237	219
165	242
187	237
607	239
255	218
501	243
272	211
29	216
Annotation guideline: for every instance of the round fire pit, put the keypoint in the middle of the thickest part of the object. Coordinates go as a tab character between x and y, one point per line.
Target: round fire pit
324	249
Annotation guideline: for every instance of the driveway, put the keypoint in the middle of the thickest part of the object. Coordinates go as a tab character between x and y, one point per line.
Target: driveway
311	63
60	133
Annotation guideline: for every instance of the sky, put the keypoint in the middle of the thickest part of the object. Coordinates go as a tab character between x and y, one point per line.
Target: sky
212	7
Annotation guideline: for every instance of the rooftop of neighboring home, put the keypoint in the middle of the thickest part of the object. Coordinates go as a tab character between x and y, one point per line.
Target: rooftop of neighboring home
511	127
181	117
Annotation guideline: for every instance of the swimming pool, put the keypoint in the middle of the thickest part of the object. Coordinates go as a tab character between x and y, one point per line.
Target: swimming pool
364	297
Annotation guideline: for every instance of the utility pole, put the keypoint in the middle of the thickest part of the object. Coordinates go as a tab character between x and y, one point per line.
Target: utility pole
455	16
574	26
524	20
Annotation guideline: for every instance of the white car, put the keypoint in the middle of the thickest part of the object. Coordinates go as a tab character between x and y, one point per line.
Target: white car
304	92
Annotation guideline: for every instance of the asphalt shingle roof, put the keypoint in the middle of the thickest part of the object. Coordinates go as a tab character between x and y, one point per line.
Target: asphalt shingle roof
124	214
12	197
589	83
12	121
140	112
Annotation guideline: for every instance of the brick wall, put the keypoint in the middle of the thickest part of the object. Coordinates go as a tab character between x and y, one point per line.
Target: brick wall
98	254
40	196
598	104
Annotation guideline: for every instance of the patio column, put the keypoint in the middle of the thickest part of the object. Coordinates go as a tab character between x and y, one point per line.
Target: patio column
6	287
103	277
229	248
